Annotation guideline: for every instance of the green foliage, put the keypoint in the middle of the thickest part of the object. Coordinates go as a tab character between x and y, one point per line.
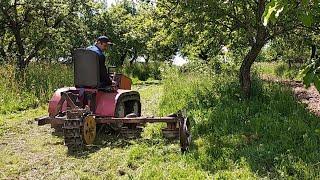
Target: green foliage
268	53
38	29
271	135
33	87
50	30
143	71
310	73
308	11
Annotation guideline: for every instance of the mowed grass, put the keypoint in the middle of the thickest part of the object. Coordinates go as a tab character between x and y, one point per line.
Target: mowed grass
28	151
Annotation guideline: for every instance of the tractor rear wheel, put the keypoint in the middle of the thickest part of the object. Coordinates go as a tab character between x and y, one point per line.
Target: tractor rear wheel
78	130
72	133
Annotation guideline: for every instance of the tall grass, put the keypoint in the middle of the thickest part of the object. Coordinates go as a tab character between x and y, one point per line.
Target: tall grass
279	69
271	135
34	86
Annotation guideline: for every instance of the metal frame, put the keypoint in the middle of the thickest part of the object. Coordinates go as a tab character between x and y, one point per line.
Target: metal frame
108	120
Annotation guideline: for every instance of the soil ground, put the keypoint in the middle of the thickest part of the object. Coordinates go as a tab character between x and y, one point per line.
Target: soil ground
308	96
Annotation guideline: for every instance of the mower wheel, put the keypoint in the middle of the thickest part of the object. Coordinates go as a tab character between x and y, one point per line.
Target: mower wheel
89	129
185	134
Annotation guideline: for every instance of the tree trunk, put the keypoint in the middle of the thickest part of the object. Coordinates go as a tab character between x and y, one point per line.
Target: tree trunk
21	52
245	69
289	63
134	58
147	58
258	42
204	55
3	55
313	51
123	57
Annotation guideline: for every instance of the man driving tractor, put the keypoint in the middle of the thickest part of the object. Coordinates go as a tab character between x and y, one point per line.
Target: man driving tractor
99	47
90	102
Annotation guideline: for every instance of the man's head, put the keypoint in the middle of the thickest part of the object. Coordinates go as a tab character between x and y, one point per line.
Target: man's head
103	42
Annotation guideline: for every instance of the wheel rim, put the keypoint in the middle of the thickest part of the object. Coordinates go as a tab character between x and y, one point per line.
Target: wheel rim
89	129
185	135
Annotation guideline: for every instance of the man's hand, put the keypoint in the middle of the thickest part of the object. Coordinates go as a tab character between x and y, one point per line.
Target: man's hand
114	83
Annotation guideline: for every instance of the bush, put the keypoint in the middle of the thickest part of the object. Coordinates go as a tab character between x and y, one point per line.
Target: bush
143	71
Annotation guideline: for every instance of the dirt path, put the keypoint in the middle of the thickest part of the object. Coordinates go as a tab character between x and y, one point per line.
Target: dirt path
309	96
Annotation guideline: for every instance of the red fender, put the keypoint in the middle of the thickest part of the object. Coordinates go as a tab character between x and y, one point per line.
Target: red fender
106	102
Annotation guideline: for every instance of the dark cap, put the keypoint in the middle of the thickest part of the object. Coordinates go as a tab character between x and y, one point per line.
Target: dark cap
104	39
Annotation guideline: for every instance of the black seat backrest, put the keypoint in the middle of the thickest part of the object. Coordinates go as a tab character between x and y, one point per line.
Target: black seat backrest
86	68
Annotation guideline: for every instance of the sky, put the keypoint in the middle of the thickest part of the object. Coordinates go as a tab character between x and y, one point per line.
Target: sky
109	2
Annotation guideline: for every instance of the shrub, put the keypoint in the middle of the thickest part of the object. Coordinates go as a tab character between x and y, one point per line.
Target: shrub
143	71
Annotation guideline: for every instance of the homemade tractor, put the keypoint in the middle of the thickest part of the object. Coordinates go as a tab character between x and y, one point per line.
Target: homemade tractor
79	110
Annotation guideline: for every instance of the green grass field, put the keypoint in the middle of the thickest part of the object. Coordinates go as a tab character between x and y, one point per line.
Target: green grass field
270	136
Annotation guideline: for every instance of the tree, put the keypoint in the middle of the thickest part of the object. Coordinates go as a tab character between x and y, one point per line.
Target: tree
238	23
27	26
129	25
309	15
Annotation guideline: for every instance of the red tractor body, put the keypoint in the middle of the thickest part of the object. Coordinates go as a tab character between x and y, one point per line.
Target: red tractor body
105	101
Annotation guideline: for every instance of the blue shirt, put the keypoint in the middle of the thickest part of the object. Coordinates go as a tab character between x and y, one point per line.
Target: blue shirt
97	50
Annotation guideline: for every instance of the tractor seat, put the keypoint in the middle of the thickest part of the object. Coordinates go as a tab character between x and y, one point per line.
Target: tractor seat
86	69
